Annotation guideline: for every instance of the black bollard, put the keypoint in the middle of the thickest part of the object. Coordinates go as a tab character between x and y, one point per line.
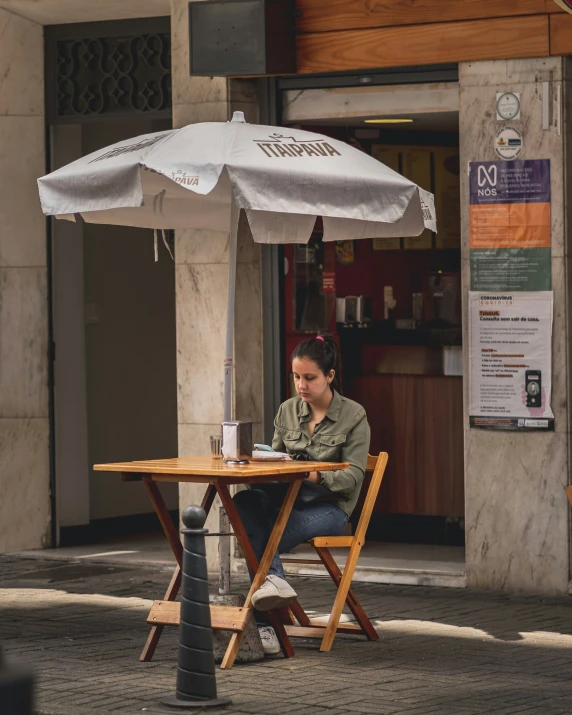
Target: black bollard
196	681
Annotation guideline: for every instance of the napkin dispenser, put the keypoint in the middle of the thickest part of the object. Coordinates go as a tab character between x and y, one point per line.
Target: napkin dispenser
236	441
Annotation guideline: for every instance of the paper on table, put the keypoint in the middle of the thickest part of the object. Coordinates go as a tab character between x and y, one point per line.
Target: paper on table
269	456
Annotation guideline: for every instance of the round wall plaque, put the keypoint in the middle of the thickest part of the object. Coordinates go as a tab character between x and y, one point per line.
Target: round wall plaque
508	143
508	106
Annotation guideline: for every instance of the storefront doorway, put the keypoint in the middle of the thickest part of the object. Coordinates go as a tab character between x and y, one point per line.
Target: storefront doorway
394	306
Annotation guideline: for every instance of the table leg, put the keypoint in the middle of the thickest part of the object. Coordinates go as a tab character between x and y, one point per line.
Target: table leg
299	613
260	570
174	540
209	498
171	532
156	631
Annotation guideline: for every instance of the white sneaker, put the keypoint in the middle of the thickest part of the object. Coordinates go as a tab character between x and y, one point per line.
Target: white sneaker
270	642
275	592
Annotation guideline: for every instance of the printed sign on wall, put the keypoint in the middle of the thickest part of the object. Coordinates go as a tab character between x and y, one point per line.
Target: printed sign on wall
508	106
510	360
509	143
510	225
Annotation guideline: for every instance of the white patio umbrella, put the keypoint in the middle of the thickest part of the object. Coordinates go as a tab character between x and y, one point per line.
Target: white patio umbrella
200	176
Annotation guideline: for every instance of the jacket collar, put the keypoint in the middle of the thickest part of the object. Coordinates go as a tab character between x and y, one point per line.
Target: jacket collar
332	414
335	408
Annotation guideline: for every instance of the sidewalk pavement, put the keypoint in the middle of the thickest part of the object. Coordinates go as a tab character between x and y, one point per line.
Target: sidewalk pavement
441	651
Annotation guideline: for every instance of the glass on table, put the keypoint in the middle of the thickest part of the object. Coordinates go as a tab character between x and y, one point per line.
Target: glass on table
216	446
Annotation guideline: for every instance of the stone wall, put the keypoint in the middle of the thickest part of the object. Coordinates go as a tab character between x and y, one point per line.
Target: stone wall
517	514
24	425
201	285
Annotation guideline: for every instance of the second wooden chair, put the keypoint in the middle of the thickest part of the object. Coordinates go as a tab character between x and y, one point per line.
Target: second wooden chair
342	579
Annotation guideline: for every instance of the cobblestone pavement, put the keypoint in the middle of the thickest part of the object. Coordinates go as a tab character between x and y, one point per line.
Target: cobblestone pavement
441	651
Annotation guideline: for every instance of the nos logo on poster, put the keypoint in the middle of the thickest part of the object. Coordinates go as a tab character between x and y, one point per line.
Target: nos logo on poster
487	180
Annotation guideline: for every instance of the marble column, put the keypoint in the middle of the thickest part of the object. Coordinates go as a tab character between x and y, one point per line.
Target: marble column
516	513
201	285
24	427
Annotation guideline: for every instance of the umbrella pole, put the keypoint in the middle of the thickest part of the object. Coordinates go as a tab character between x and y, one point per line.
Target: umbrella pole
224	524
229	342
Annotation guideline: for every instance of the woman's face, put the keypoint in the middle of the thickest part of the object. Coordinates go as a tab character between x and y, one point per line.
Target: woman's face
311	383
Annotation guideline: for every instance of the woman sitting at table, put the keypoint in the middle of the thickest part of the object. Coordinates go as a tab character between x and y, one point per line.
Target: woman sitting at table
318	425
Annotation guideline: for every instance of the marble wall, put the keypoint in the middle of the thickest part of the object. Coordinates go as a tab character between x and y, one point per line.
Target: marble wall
24	427
517	514
201	286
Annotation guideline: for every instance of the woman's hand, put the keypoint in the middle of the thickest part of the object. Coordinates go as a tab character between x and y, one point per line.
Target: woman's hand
314	477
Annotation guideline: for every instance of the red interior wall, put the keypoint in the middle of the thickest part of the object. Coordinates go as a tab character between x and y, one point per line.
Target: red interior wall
372	270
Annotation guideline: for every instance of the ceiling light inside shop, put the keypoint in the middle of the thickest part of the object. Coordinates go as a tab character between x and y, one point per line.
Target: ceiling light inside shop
388	121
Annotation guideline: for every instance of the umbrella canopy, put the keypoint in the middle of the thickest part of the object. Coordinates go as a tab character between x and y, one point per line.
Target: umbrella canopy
282	178
200	176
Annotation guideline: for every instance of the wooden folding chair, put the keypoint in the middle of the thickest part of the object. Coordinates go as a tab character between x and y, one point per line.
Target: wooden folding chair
569	494
343	580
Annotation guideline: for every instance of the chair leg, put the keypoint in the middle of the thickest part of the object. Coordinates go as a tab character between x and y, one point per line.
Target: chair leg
286	616
341	596
351	599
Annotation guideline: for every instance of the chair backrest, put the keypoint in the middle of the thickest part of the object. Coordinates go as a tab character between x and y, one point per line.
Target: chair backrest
377	465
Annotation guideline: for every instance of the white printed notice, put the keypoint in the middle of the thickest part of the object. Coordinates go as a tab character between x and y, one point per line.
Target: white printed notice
510	360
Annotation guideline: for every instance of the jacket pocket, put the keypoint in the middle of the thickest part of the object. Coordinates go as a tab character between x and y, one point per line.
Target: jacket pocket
330	447
292	439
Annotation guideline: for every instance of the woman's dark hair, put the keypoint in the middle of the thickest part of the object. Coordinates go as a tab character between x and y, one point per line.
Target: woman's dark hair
322	350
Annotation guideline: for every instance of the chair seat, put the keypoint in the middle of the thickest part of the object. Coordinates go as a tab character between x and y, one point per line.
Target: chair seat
325	542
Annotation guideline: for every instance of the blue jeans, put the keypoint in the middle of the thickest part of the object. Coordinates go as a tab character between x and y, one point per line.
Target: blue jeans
259	507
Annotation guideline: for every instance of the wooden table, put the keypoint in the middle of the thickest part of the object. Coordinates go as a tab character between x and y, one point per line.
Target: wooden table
219	476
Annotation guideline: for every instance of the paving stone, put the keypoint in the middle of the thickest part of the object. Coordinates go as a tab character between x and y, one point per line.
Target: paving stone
441	651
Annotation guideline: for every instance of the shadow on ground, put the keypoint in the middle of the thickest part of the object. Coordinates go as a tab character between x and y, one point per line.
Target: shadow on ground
82	625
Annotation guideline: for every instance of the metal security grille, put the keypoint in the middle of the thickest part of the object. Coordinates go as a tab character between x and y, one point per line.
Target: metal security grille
98	71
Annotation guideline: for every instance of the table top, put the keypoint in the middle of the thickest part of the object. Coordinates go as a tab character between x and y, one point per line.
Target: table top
206	467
